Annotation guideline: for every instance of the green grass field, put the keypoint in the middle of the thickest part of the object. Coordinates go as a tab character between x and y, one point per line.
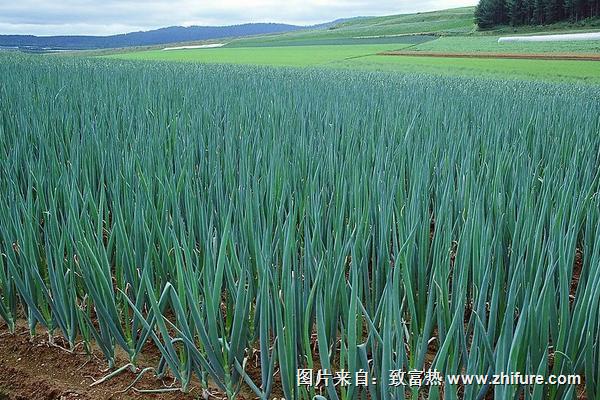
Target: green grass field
411	40
292	56
365	57
459	44
354	44
545	70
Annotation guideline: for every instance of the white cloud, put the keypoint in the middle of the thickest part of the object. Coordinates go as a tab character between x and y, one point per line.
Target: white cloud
88	17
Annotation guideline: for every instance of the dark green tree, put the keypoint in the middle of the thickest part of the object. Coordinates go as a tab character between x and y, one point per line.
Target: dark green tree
539	12
585	8
490	13
570	10
554	11
517	12
484	15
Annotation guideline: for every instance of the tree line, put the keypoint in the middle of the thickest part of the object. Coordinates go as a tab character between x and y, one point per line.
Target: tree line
533	12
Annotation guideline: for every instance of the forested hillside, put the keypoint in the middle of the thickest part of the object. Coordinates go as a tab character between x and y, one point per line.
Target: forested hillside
490	13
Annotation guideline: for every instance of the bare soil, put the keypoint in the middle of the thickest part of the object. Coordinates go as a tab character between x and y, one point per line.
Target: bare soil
515	56
32	369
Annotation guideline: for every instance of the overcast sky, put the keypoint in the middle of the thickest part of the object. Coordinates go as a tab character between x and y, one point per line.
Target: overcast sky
93	17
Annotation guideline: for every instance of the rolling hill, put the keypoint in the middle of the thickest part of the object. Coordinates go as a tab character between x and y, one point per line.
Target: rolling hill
456	21
171	34
375	29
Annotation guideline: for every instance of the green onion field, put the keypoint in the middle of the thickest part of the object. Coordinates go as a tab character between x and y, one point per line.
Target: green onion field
244	222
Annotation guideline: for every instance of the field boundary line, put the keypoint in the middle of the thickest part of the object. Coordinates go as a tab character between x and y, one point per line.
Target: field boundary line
515	56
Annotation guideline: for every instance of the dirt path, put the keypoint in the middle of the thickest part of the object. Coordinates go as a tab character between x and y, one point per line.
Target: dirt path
514	56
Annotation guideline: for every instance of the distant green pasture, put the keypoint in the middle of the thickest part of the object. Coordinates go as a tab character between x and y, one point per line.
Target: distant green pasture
295	56
458	44
387	40
365	57
546	70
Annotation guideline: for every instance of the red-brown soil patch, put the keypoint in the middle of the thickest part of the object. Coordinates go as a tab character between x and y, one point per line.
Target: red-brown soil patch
515	56
31	369
577	268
